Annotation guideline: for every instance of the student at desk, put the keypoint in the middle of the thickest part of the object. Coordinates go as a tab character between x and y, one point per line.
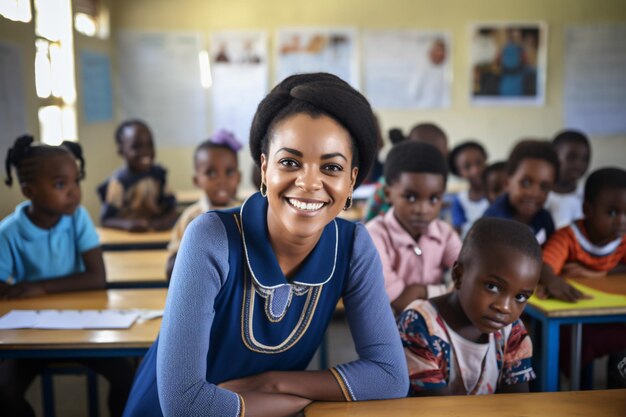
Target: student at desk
135	197
216	173
470	341
590	248
49	245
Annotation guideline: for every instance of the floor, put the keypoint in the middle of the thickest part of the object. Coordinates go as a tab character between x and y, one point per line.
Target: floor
71	393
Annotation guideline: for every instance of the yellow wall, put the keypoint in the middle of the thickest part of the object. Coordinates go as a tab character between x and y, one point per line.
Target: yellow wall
497	127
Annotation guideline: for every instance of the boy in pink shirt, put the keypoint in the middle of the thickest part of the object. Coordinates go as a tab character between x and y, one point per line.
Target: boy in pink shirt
415	247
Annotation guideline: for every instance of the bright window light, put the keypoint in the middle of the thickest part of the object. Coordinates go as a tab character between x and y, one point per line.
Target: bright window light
205	70
51	125
85	24
43	73
68	120
18	10
56	69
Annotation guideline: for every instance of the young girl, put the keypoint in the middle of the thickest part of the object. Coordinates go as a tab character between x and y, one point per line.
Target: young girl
217	175
471	341
467	160
532	170
254	287
49	245
135	197
565	201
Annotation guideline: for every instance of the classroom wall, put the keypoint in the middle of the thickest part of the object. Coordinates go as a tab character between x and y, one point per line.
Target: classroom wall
95	138
497	127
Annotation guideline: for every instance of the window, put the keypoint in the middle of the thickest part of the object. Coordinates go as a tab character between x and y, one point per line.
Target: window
54	71
18	10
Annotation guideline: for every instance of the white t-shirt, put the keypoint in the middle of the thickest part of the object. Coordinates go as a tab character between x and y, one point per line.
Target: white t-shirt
565	208
473	210
471	358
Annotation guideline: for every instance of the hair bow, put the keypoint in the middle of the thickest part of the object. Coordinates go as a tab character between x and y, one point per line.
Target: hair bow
224	137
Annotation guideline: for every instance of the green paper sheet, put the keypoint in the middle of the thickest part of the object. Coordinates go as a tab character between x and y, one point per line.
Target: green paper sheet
600	300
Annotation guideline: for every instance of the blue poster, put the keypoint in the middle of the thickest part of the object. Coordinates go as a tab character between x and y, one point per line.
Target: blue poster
97	94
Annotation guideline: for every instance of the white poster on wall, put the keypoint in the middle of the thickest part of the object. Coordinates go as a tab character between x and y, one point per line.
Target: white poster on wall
160	82
595	79
333	50
239	67
406	69
12	104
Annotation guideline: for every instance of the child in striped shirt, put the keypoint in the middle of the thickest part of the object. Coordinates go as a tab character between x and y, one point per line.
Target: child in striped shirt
589	248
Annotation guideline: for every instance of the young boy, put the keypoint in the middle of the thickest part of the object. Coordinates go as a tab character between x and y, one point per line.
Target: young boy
494	180
217	175
532	170
591	247
470	341
414	246
135	197
429	133
565	201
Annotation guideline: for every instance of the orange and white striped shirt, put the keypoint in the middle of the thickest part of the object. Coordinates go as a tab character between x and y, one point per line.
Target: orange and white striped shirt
571	244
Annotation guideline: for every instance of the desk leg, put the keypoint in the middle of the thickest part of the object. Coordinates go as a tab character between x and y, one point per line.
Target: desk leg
550	356
577	337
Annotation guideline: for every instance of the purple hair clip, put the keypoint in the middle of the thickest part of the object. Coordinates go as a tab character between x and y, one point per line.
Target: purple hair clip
224	137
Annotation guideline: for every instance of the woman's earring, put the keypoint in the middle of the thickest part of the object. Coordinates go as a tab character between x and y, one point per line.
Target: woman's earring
263	189
348	203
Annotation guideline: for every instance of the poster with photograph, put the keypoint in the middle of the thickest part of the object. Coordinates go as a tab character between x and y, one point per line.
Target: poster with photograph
333	50
239	68
407	69
508	63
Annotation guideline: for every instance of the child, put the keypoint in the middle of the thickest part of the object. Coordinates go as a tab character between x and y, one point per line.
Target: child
565	201
589	248
217	174
424	132
532	170
50	245
467	161
470	341
494	180
135	197
414	246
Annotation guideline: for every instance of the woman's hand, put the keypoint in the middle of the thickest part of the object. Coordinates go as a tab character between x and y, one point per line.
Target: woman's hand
576	270
264	382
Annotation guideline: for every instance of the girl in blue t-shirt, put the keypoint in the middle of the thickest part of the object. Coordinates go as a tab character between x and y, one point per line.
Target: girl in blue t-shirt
49	245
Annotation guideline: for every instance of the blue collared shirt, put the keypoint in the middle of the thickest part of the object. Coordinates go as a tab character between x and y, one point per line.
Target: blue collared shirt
30	253
541	224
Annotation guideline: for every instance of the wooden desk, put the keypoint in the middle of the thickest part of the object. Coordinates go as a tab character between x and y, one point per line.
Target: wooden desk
33	343
136	268
188	197
551	321
609	403
115	239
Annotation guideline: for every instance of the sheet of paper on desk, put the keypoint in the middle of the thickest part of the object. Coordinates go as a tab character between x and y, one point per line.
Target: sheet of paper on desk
600	300
19	319
68	319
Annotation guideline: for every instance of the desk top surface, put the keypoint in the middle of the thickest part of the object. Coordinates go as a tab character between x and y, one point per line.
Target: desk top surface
140	335
111	237
612	284
136	266
608	403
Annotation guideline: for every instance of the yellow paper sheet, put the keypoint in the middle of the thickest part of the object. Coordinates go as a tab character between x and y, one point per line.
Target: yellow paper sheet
600	300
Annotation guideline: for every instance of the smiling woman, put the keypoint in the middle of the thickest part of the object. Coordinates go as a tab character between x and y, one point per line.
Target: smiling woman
254	288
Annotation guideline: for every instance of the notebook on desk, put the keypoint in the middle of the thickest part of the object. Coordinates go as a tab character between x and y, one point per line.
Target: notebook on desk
600	300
